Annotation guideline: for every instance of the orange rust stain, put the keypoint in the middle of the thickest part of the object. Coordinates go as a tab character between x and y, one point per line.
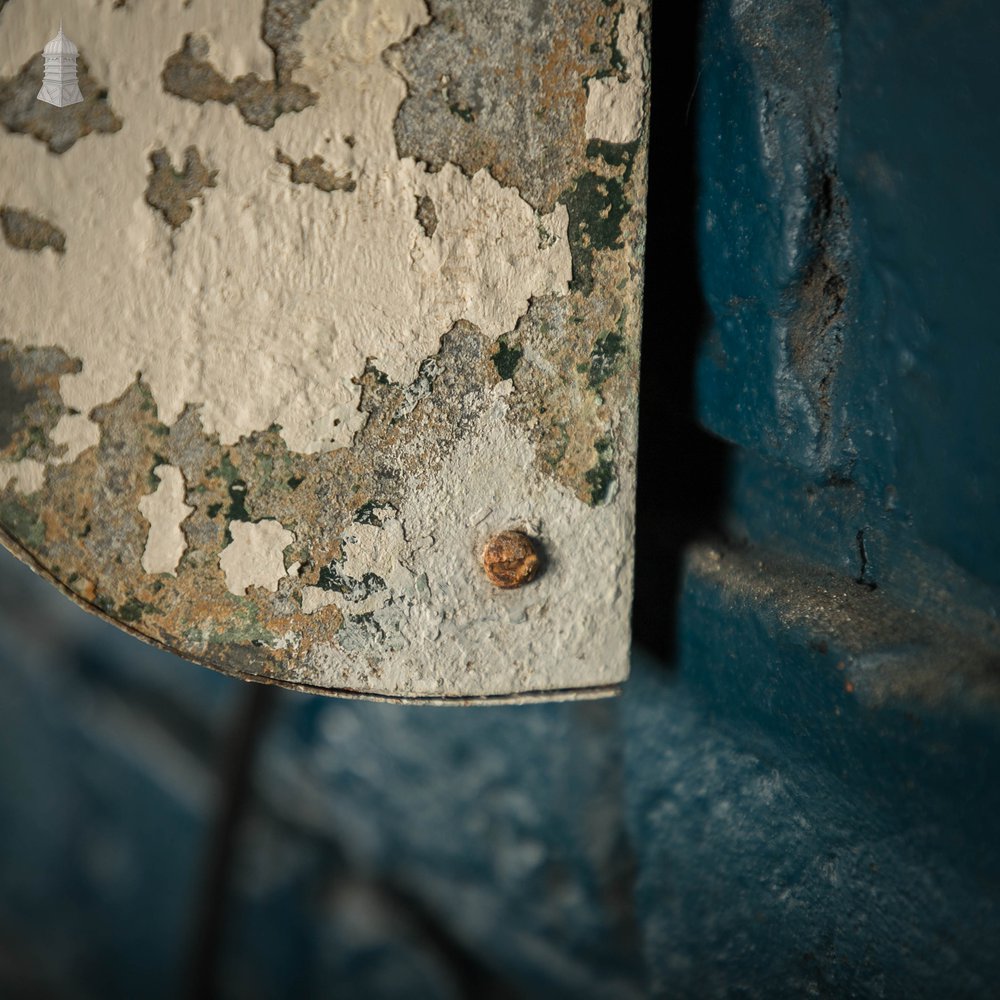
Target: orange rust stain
510	559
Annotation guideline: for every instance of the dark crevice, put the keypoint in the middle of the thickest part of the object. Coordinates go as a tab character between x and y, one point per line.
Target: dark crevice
681	467
816	328
862	576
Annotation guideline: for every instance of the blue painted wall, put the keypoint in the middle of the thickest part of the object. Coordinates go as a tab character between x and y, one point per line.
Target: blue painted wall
847	634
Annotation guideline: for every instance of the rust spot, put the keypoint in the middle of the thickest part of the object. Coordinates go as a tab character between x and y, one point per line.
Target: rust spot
24	231
58	128
171	191
312	171
189	74
510	559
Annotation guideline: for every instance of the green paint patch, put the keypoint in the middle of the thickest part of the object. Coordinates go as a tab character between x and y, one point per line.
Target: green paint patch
294	482
226	469
380	377
23	523
606	355
133	610
368	513
237	502
237	490
154	479
104	604
369	631
601	476
36	444
242	624
614	154
330	578
506	359
463	111
597	207
213	509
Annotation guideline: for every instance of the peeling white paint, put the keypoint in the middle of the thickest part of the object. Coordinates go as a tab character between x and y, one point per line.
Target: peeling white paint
270	285
255	556
568	629
368	549
165	511
615	107
77	432
264	307
27	475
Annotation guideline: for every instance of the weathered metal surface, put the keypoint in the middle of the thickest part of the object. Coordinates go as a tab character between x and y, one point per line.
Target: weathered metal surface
313	300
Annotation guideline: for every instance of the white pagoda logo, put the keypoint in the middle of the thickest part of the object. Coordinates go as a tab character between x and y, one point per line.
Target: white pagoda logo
59	84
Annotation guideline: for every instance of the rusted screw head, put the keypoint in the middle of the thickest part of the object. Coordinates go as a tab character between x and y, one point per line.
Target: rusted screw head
510	559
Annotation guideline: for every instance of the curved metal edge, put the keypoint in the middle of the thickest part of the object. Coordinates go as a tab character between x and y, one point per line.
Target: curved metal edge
16	549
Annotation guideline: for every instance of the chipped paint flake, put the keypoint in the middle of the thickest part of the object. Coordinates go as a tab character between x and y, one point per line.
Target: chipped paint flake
284	290
615	106
165	511
27	475
76	432
255	557
371	552
316	598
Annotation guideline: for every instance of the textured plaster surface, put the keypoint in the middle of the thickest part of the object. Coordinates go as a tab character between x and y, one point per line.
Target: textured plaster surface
165	510
297	369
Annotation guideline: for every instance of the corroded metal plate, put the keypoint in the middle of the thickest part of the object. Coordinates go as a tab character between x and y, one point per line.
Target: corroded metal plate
305	303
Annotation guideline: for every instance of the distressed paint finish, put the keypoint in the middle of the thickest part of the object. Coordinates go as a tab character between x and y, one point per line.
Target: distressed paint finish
366	339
